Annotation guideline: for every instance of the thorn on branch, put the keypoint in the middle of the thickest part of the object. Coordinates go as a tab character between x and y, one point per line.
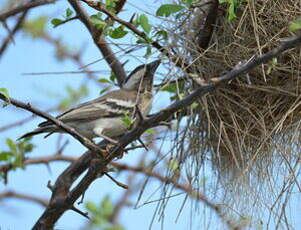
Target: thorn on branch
84	214
50	186
124	186
142	143
82	198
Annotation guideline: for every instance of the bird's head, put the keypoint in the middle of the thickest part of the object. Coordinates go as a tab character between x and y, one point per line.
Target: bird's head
142	77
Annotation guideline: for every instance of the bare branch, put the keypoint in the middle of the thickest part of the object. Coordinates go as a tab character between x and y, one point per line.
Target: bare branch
14	30
100	42
85	141
24	7
12	194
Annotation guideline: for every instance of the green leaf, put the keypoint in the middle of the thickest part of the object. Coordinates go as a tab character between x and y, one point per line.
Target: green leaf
107	206
91	207
5	156
37	27
233	4
143	21
114	227
127	121
98	22
168	9
18	162
104	80
104	90
171	88
112	77
295	25
69	12
110	5
194	105
12	146
5	93
118	32
56	21
148	51
151	131
162	34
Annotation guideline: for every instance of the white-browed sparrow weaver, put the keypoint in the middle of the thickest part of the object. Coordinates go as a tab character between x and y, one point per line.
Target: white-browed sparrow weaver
104	116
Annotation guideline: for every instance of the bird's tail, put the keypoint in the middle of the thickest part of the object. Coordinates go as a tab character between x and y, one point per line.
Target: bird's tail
36	131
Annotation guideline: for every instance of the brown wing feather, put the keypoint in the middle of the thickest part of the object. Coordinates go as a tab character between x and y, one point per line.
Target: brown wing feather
90	111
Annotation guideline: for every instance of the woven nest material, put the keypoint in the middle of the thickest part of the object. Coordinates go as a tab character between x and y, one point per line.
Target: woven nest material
257	114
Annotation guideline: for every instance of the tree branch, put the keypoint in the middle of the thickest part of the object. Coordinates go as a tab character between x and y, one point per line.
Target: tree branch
12	194
176	59
100	42
23	7
14	30
85	141
62	199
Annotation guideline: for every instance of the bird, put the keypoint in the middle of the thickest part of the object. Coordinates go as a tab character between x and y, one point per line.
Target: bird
104	116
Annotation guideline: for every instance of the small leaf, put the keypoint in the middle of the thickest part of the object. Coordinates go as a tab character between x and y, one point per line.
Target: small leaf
98	22
127	121
91	207
69	12
168	9
143	20
295	25
5	93
37	27
194	105
171	88
12	146
104	90
56	21
148	51
5	156
107	206
118	32
113	77
18	162
104	80
151	131
162	34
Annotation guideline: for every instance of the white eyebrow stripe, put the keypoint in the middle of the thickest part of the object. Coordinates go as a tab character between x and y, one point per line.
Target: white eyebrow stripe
122	103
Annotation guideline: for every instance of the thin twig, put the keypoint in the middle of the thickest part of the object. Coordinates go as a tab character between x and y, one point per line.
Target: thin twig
23	7
174	58
13	32
100	42
13	194
85	141
124	186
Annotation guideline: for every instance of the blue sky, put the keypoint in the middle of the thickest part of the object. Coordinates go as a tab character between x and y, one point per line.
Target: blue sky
29	55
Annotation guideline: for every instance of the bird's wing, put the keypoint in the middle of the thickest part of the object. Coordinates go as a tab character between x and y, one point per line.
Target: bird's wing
112	104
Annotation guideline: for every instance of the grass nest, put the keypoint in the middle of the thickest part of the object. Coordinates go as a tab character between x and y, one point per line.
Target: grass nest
245	124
